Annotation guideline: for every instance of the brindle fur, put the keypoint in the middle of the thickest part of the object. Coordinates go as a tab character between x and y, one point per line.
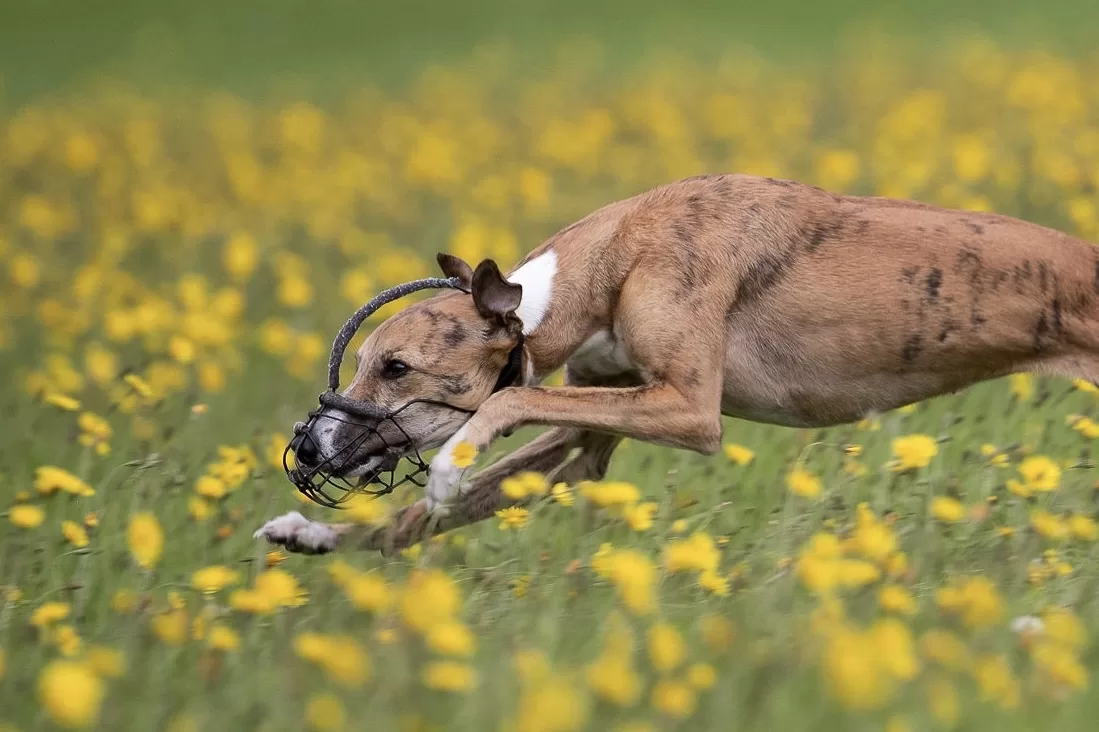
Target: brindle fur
751	297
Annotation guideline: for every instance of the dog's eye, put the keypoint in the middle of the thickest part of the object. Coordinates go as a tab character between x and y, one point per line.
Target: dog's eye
394	369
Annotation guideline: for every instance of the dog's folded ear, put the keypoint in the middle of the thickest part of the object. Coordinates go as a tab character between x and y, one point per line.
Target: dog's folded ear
454	267
496	298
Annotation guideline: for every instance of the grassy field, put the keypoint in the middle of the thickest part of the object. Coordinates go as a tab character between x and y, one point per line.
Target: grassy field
176	259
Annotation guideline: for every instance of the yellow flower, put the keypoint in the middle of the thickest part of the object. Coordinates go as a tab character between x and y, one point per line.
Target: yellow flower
996	681
449	676
281	588
739	454
123	601
1085	386
1048	525
713	582
74	533
676	699
717	631
666	647
451	638
1089	428
562	494
430	597
106	662
701	676
170	627
552	705
513	518
214	579
1022	386
463	455
210	487
49	613
634	576
1062	626
639	517
71	693
942	699
368	591
252	601
695	553
610	494
223	638
946	509
145	538
49	479
66	639
26	516
62	401
803	483
342	657
1083	527
975	600
324	712
1040	473
896	599
912	452
518	487
199	509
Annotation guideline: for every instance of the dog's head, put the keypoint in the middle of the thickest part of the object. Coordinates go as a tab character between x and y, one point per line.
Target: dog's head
426	369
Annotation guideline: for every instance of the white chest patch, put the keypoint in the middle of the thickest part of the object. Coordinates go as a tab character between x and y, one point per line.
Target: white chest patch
602	355
536	277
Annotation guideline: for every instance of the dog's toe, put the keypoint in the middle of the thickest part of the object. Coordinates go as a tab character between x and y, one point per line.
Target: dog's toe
279	530
298	534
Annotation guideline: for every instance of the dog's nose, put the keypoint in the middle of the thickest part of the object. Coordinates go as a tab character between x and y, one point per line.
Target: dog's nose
304	449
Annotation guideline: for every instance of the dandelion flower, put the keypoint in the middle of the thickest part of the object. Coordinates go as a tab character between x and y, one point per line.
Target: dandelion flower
674	698
74	533
666	647
106	662
71	693
561	494
214	579
26	516
803	483
738	454
145	538
49	613
912	452
896	599
451	638
946	509
1040	473
449	676
1048	525
1083	527
513	517
639	517
223	638
463	455
324	712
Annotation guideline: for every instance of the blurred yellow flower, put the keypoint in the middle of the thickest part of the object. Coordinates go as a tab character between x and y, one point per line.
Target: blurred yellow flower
449	676
666	647
74	533
1040	473
49	479
975	600
896	599
451	638
674	698
214	579
996	681
70	693
562	494
519	486
49	613
106	662
26	516
803	483
430	597
946	509
912	452
62	401
324	712
145	539
610	494
739	454
223	638
1083	527
170	627
342	657
639	517
701	676
698	552
1049	525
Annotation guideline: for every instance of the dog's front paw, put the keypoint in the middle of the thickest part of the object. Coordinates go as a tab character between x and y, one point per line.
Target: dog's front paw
299	534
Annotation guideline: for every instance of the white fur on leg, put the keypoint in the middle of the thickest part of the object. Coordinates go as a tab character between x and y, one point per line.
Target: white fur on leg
298	533
444	476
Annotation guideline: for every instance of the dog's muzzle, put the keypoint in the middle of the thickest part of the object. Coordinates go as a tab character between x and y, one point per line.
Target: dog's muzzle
316	474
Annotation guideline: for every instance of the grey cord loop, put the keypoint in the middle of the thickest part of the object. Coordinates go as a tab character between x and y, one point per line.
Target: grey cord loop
347	332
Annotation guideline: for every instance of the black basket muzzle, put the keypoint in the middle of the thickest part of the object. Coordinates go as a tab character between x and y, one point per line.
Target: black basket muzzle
318	481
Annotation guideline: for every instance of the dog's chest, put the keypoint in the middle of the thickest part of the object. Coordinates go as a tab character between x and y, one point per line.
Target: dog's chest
602	355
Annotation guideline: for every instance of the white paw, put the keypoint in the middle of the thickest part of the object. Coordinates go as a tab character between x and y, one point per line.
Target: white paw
299	534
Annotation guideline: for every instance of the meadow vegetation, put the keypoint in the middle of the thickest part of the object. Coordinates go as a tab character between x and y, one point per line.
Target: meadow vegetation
175	264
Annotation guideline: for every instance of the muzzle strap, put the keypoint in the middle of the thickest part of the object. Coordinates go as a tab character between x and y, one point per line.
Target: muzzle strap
513	369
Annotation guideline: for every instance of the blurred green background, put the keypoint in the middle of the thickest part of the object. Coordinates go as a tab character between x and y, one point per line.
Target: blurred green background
257	45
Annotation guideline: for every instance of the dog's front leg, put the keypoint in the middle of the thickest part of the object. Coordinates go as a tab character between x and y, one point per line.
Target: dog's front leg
657	413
